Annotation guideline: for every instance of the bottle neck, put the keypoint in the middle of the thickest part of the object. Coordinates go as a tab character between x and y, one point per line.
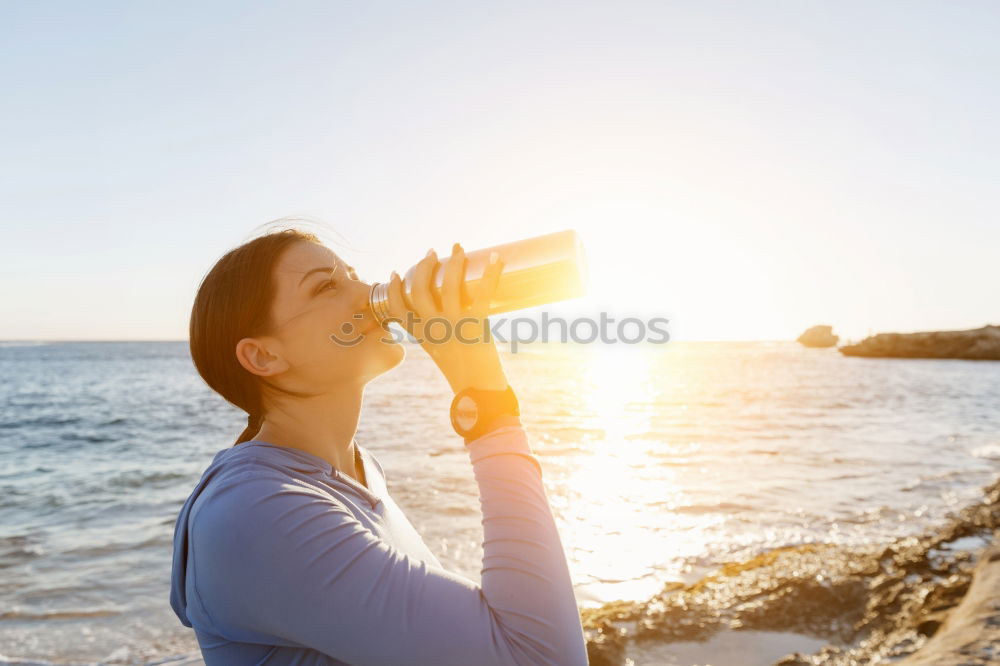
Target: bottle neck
378	302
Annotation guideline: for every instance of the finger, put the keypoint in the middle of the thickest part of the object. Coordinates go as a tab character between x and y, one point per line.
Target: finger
451	290
397	306
420	291
487	286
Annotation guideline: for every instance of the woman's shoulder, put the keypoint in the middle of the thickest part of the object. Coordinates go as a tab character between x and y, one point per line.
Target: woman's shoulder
244	485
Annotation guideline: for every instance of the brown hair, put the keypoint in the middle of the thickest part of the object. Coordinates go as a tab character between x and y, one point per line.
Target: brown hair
233	302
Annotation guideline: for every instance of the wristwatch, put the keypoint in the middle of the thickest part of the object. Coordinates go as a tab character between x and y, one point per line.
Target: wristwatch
474	411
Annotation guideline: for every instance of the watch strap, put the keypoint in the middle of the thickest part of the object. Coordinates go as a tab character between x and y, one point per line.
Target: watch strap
501	421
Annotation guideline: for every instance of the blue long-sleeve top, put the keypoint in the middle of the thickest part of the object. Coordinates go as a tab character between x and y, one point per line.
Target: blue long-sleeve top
279	558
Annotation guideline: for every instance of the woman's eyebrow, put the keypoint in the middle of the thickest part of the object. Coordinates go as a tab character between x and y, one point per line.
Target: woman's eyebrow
324	269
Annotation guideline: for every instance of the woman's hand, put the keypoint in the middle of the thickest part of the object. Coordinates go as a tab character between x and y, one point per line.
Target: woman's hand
457	337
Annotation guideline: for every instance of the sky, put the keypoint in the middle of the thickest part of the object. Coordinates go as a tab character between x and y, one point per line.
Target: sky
743	169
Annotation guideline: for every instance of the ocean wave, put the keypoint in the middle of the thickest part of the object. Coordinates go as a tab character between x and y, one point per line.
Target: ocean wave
698	509
84	437
120	547
56	615
989	452
938	479
41	421
19	548
140	478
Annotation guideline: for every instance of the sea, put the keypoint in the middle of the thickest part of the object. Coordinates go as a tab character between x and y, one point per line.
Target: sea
661	463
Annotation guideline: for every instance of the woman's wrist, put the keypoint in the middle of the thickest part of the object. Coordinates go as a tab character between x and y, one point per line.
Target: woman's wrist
484	385
480	369
493	381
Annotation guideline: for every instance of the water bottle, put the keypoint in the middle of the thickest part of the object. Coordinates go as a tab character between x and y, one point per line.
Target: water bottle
536	271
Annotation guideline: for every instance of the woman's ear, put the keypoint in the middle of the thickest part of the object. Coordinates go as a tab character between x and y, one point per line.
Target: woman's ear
259	357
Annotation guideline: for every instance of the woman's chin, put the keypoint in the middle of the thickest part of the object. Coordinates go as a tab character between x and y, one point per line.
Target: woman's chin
390	354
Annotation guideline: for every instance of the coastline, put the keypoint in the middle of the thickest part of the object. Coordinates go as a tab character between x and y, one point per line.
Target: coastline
919	598
977	344
970	634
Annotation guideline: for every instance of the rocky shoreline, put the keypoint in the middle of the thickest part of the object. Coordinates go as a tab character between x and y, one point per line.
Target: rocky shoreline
980	344
868	605
970	636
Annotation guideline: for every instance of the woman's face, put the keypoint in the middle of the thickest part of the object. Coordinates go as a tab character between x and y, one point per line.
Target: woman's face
322	328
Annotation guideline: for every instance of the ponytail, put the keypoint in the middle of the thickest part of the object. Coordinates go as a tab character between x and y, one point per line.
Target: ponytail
254	422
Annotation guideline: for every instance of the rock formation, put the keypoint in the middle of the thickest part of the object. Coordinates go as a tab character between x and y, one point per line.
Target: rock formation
818	336
975	344
873	603
970	635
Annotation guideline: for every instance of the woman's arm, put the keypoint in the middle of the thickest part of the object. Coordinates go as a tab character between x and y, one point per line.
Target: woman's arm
281	561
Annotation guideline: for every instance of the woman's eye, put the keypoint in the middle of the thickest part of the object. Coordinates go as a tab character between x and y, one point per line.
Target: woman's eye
325	285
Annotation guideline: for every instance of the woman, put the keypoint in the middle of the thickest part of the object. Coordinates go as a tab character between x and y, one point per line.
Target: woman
290	550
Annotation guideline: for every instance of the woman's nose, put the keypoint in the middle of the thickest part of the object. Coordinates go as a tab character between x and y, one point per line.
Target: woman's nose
362	294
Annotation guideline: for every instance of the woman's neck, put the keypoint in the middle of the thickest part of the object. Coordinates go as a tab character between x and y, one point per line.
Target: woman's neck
322	425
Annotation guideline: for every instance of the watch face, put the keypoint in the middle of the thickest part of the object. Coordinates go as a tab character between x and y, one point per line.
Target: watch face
466	413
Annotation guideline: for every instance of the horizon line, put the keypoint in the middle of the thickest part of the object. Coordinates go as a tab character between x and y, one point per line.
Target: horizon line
520	343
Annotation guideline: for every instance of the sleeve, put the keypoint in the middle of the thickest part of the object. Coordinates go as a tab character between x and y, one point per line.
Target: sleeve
299	567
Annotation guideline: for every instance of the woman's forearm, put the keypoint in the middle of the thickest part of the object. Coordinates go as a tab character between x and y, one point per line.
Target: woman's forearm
525	576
